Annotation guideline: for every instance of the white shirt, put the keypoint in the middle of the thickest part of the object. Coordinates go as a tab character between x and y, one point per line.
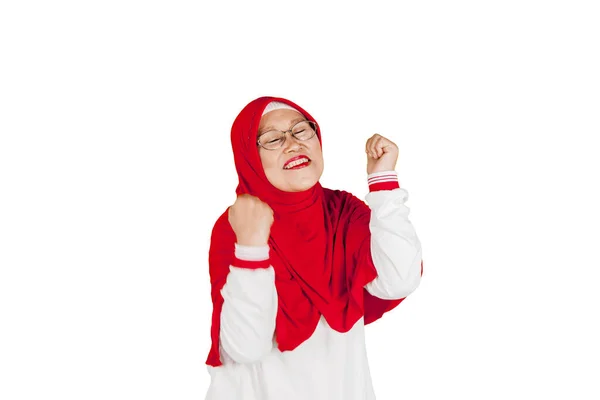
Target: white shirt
329	365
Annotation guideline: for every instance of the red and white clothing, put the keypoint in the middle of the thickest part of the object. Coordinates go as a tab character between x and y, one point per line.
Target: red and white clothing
329	365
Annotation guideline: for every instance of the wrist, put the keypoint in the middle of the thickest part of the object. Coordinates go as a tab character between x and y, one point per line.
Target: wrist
251	257
252	240
251	253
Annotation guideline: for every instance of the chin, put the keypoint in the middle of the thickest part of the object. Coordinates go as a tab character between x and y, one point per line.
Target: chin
302	186
297	184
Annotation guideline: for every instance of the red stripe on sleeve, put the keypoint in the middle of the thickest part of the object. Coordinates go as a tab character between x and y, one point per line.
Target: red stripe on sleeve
250	264
384	186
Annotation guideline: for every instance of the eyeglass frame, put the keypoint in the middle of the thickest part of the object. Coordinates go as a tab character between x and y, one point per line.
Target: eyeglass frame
283	134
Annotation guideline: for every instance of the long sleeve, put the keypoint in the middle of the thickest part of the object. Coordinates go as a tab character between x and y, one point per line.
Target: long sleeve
249	307
395	247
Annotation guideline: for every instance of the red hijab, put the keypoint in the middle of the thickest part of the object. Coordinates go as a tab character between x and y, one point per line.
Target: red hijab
320	247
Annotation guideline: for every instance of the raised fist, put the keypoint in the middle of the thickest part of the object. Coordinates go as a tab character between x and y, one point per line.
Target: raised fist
251	220
382	154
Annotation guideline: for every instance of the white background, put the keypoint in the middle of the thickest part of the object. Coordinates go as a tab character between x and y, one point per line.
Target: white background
115	162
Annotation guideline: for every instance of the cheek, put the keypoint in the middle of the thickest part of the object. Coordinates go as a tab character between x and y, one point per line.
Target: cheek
317	152
268	160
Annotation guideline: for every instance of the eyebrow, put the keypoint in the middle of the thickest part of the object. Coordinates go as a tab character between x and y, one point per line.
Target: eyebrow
271	128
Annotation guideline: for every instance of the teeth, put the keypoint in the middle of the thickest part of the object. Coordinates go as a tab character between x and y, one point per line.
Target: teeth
297	162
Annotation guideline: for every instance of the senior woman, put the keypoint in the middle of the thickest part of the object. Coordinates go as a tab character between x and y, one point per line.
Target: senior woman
297	270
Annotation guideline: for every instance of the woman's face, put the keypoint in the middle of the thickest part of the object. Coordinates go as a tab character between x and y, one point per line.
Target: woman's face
275	162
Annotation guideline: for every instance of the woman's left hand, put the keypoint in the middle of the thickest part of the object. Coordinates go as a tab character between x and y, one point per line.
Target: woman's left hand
382	154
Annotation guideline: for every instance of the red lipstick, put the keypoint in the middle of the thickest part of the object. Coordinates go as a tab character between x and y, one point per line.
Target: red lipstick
297	158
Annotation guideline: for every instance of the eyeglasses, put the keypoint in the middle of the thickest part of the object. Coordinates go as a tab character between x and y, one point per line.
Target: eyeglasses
274	139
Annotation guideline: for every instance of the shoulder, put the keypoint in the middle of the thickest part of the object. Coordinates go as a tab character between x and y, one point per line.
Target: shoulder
344	201
222	233
221	249
336	194
222	222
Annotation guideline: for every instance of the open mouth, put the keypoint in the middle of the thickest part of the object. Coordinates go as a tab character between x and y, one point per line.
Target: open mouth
297	162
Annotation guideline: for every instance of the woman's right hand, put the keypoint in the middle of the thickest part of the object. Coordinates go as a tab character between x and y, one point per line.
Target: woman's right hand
251	220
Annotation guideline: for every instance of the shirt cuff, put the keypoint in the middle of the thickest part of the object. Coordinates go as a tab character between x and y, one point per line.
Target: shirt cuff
251	257
384	180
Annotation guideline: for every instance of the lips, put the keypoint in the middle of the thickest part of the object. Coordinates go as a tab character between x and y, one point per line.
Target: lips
296	162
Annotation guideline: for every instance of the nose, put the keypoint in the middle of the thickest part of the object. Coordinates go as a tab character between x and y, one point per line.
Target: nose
291	144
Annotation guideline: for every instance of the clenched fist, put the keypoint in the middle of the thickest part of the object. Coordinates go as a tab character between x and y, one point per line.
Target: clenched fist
382	154
251	220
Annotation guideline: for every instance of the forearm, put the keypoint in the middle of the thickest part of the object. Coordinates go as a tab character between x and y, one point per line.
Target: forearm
395	247
250	306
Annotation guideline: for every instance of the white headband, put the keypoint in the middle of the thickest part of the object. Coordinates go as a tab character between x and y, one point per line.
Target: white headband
277	105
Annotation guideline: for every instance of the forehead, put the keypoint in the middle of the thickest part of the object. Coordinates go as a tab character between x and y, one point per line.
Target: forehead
279	119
